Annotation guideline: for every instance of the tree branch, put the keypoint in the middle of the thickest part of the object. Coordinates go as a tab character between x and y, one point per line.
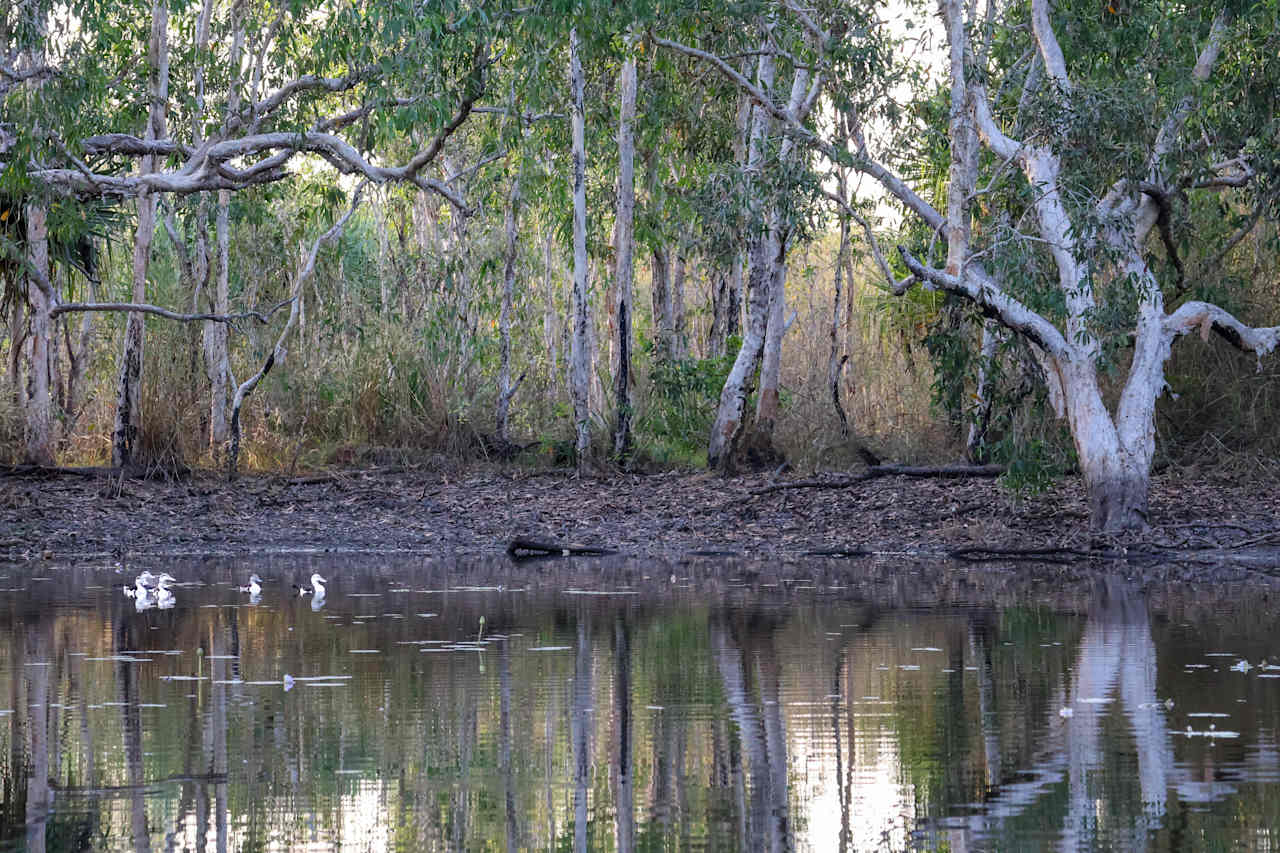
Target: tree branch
144	308
994	302
1206	316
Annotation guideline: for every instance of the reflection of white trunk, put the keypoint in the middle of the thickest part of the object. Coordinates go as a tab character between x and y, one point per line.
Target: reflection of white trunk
581	730
1116	651
763	738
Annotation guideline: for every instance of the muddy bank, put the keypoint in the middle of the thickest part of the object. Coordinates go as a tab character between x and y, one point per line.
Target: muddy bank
667	516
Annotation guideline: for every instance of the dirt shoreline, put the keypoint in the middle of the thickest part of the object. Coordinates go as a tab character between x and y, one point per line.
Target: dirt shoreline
665	516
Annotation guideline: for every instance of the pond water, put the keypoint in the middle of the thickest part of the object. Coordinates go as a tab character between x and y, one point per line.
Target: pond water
634	706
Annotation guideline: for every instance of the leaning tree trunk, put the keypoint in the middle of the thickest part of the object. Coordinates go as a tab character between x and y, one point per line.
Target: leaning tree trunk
625	271
278	352
580	345
769	402
39	401
727	428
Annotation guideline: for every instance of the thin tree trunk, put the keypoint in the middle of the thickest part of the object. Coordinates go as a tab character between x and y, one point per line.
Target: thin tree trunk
580	345
550	322
662	303
679	344
217	360
126	429
39	401
77	361
625	248
768	403
507	388
835	362
279	352
975	448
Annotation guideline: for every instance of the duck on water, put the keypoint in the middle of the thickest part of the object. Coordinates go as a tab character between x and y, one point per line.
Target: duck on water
316	588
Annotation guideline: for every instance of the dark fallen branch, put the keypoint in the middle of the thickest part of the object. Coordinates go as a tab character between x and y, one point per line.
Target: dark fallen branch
524	547
875	471
839	552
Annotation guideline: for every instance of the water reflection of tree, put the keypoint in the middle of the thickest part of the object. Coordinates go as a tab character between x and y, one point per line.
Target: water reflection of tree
751	687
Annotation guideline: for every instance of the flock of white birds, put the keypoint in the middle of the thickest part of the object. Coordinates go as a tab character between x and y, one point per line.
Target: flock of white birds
151	591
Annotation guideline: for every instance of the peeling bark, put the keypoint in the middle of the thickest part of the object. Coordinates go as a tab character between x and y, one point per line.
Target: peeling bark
39	401
625	270
580	335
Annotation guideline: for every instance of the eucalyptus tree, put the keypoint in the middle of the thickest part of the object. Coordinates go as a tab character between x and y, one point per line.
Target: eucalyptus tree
1074	137
795	60
257	88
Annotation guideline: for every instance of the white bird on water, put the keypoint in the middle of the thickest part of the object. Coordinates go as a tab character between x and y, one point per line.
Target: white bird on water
142	587
255	585
316	588
164	596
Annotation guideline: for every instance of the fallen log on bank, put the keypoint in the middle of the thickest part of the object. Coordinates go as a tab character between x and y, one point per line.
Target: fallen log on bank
523	547
875	471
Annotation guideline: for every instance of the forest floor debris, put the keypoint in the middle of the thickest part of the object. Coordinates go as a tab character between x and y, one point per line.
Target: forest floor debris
665	515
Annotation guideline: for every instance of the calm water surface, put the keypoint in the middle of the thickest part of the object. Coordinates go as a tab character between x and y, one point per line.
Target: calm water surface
634	706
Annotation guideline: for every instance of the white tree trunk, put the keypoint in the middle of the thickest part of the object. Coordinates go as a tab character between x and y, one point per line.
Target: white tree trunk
580	344
768	402
727	427
624	273
39	401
